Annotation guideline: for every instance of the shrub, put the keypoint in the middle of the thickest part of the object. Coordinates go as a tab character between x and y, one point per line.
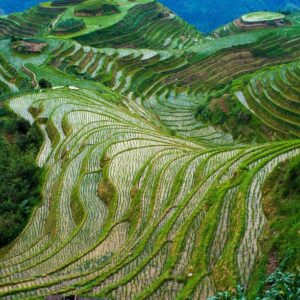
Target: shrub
239	295
69	26
270	52
97	7
292	178
281	286
278	286
20	177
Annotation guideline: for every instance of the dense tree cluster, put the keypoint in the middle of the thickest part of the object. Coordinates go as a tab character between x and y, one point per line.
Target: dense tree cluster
69	26
19	175
226	112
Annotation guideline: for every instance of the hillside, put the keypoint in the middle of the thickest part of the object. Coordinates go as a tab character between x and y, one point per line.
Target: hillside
161	151
203	15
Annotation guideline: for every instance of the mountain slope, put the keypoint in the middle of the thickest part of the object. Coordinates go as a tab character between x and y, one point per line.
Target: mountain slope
153	188
203	15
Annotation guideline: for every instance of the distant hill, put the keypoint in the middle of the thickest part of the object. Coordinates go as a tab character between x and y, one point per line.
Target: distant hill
203	14
208	15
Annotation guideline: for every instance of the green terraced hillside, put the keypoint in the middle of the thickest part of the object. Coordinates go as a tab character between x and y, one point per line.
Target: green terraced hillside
158	141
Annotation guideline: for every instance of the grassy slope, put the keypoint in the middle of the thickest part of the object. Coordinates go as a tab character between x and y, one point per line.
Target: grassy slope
94	23
282	207
281	240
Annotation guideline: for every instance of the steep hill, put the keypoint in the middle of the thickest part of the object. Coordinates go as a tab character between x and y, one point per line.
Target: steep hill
202	14
158	147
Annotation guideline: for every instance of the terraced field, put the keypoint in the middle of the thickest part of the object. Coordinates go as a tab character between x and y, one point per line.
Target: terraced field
274	96
141	200
7	76
28	23
148	232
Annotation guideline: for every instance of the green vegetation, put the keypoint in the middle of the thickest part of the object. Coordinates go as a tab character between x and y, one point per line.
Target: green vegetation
170	160
69	26
229	114
277	286
20	180
96	7
282	206
282	240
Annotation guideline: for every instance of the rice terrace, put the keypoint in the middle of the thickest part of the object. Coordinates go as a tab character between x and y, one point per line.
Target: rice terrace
143	159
